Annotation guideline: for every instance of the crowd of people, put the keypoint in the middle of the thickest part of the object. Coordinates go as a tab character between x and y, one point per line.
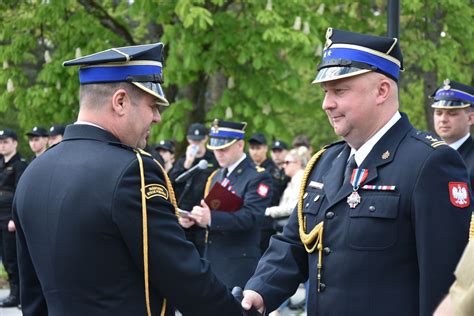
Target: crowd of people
374	224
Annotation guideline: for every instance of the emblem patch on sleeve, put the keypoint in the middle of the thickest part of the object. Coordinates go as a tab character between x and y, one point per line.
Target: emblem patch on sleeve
459	194
152	190
262	190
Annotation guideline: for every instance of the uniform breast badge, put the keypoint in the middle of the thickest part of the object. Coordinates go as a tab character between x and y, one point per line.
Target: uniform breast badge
357	178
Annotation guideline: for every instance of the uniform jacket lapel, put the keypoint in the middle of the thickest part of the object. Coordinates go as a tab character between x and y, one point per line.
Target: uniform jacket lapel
382	153
333	178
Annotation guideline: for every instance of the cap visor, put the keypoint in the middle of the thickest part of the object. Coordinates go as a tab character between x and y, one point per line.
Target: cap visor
335	73
450	104
220	143
153	89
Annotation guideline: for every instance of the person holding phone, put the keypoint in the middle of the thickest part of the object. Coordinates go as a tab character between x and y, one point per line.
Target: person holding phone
190	192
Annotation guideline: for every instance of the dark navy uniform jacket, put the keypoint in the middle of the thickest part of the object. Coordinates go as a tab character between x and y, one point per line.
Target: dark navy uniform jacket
10	173
394	253
234	237
78	213
467	153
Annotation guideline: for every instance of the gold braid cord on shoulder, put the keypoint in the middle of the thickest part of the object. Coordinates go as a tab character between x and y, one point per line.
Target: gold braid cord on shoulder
145	227
207	188
314	238
209	181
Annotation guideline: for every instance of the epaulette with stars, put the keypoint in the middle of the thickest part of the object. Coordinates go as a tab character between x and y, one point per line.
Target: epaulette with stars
429	139
259	169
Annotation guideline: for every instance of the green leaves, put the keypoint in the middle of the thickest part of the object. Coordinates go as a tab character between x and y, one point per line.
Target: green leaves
237	59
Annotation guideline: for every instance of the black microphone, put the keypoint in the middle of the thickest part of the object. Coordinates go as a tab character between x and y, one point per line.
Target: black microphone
191	172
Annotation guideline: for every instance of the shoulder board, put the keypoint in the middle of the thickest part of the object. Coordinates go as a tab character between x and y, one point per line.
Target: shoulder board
259	169
429	139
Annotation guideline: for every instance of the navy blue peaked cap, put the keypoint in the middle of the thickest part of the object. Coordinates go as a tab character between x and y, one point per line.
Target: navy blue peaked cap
8	133
348	54
141	65
224	133
453	95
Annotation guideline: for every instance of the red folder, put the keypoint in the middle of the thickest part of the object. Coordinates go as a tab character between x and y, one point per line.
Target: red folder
221	199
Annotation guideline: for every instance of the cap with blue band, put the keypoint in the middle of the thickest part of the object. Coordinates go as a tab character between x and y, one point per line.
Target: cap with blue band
453	95
223	134
348	54
140	65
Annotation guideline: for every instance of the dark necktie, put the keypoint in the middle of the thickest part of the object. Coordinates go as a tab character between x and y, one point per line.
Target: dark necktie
224	173
351	165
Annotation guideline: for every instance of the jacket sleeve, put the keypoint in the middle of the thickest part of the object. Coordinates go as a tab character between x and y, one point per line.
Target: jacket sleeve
32	298
441	227
282	268
252	211
175	268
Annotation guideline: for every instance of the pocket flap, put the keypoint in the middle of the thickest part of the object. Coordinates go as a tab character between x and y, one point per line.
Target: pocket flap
378	206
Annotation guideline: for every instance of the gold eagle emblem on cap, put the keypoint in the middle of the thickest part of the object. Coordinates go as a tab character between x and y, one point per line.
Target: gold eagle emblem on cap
446	85
215	126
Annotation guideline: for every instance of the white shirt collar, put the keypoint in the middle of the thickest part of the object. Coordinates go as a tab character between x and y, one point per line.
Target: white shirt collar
235	164
88	123
459	142
365	149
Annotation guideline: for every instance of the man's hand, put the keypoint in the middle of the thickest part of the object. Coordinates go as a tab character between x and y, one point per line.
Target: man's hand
186	222
11	226
191	152
444	308
252	298
201	214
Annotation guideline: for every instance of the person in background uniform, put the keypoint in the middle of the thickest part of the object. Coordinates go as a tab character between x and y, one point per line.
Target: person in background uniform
453	117
279	151
96	216
166	150
233	245
11	168
383	216
56	134
190	192
38	140
258	150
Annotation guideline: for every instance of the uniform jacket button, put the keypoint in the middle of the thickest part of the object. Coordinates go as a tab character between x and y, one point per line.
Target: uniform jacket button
322	286
329	215
372	208
327	250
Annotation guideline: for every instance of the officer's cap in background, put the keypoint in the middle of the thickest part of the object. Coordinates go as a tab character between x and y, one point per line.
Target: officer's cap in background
8	133
279	145
258	139
196	132
38	131
57	130
167	145
348	54
453	95
141	65
223	134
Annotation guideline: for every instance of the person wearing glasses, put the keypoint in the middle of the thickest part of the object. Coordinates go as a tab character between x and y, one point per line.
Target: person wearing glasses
294	164
453	116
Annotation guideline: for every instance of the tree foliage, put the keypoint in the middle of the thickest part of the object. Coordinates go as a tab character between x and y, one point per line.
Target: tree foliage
245	60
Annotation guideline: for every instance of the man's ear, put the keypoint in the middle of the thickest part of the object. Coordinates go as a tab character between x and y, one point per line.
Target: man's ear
384	90
470	116
120	101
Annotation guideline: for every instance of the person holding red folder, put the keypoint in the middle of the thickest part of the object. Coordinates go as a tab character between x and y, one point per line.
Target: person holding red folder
237	195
